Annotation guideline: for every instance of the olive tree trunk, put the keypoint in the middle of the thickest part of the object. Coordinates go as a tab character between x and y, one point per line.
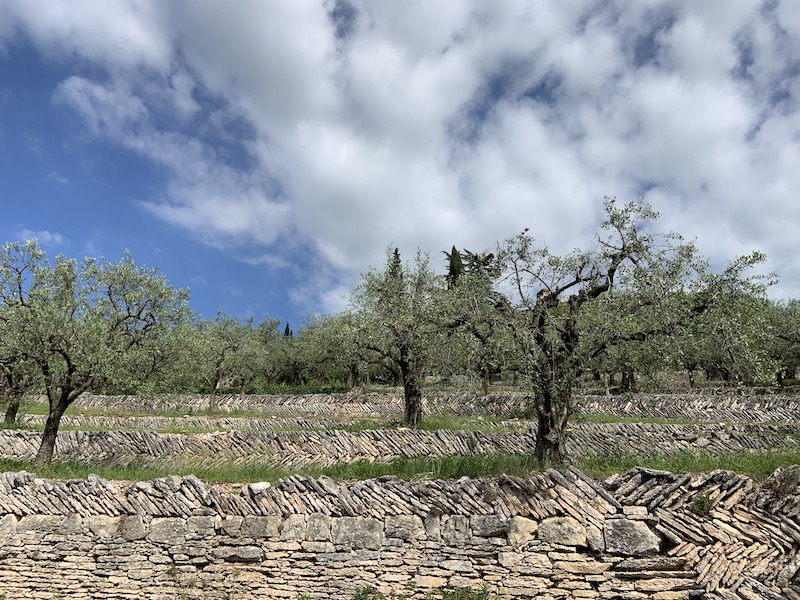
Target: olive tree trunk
553	410
45	454
411	373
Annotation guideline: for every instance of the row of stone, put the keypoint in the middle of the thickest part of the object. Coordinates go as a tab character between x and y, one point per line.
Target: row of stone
117	422
728	407
294	449
640	534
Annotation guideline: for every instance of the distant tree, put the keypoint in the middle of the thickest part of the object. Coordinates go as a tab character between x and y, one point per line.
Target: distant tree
477	340
82	328
401	318
17	378
223	347
455	267
784	346
330	349
287	331
254	353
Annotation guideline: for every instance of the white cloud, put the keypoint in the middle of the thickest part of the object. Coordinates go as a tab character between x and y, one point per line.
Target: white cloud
124	34
58	178
44	237
428	124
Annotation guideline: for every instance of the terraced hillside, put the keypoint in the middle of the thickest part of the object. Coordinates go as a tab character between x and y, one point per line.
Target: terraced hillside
644	533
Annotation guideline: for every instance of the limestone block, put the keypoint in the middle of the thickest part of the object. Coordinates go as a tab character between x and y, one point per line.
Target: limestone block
664	584
487	526
405	527
133	528
294	528
427	582
635	513
239	553
167	530
102	526
261	527
202	526
232	525
8	524
433	528
630	538
562	530
357	532
318	548
456	530
458	566
595	539
521	531
530	563
318	528
583	567
40	523
72	525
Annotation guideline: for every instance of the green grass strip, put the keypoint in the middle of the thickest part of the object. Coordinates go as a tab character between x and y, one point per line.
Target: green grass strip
757	465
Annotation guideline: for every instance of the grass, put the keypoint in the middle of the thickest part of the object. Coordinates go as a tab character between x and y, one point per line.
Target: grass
757	465
430	423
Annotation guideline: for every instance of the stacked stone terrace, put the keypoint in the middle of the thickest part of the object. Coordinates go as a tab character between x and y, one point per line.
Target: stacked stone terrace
644	534
292	449
555	535
309	429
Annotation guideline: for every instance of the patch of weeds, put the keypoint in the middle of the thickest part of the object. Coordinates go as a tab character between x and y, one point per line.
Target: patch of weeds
468	594
368	593
702	505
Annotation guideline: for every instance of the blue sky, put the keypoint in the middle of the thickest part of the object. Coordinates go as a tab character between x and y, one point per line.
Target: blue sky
264	154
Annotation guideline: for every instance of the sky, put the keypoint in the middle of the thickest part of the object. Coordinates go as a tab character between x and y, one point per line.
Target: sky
264	153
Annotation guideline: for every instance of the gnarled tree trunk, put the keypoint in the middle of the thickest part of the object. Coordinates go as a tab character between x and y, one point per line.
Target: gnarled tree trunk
12	409
411	372
553	409
45	454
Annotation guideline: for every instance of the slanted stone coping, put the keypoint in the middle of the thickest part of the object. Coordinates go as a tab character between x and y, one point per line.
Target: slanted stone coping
702	405
558	534
297	448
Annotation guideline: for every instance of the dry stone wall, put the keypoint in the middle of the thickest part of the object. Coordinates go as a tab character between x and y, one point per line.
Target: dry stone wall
763	408
293	449
558	534
746	426
716	407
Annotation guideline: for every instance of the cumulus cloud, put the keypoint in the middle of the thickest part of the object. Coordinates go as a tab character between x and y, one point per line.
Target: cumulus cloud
339	127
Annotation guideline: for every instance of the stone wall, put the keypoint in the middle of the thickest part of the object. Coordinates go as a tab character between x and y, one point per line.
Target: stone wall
644	534
730	407
723	406
295	448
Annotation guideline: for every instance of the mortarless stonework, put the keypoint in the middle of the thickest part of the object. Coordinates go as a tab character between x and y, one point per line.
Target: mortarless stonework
558	534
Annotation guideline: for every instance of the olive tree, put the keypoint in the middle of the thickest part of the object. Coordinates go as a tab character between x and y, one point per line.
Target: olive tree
632	272
728	332
401	316
82	327
784	347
